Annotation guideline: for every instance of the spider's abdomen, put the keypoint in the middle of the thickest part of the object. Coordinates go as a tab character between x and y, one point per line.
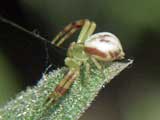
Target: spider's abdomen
104	46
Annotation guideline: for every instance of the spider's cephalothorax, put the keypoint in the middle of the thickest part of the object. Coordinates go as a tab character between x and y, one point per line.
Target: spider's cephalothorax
102	46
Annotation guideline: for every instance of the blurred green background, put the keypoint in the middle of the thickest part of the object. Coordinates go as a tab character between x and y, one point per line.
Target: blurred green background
134	94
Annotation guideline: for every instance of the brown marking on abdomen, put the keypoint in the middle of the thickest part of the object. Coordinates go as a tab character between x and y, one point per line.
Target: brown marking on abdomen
104	40
94	51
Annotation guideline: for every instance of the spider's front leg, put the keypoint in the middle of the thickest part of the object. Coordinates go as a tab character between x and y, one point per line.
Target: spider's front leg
87	26
62	87
66	82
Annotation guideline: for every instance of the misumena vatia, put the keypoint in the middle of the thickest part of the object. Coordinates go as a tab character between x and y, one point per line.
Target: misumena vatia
101	46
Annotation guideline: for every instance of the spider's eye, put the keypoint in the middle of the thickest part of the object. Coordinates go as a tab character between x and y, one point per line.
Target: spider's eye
104	46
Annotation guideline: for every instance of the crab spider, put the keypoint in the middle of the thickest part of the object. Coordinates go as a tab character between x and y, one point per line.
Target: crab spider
101	46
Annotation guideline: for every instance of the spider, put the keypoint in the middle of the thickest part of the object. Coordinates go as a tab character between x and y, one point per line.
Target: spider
103	46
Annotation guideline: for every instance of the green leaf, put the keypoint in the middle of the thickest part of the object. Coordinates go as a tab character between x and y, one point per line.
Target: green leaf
29	105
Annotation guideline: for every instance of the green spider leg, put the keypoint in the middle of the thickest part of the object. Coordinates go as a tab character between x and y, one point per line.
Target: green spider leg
62	87
87	73
87	26
97	64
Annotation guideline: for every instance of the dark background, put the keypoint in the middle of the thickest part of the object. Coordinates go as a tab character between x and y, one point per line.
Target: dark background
133	95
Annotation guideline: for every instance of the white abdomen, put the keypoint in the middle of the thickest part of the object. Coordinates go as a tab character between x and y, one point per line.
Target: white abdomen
104	46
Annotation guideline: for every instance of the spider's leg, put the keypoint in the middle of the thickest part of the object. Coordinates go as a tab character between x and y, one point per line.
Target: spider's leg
87	73
86	31
61	33
71	80
61	88
61	41
104	73
97	64
69	30
88	67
